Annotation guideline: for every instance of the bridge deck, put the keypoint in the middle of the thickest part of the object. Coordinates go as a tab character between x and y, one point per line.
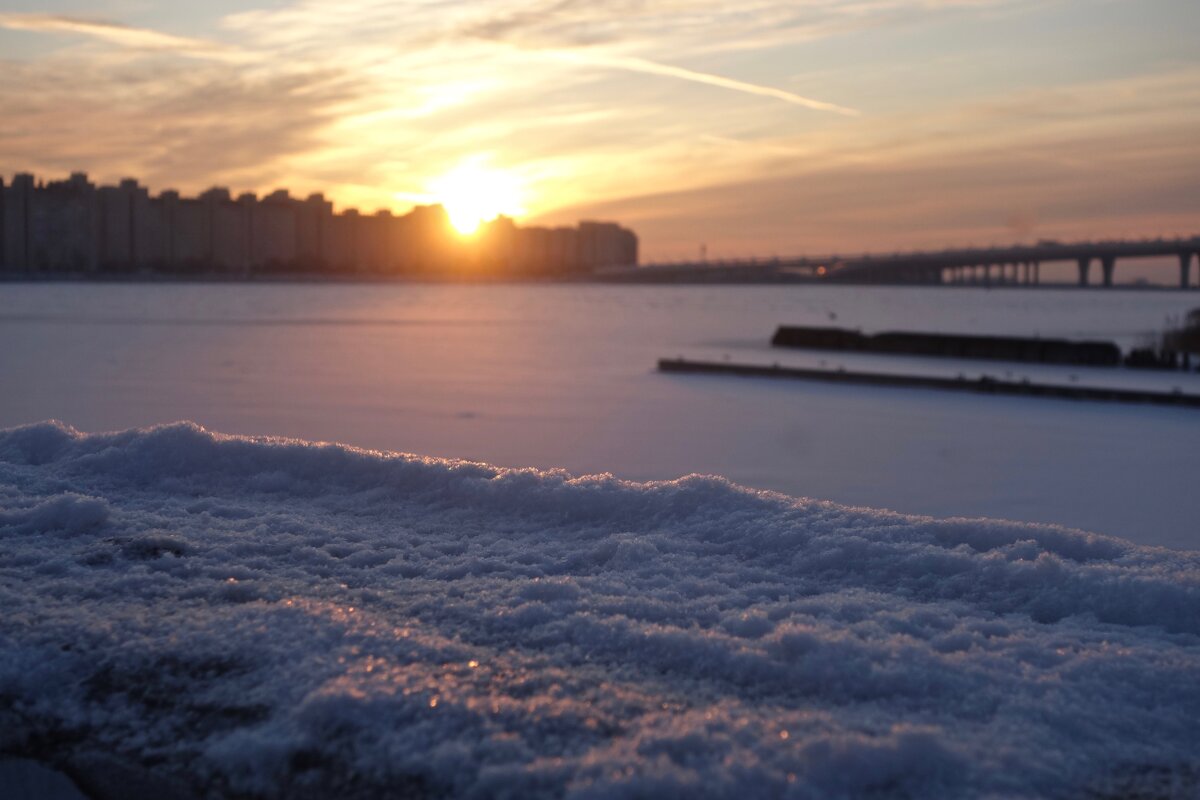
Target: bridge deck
925	266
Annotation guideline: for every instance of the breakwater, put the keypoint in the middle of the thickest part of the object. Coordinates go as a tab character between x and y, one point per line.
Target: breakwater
981	385
992	348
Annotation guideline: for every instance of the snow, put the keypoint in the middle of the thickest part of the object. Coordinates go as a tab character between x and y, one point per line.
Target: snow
563	376
23	779
278	618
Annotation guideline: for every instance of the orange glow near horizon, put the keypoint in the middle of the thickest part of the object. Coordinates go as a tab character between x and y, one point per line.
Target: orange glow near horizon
474	193
811	127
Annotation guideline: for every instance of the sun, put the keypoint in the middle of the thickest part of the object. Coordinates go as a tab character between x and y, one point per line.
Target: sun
473	193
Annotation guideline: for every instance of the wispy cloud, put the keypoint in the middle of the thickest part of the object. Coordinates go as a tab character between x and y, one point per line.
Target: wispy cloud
181	125
120	35
595	103
692	27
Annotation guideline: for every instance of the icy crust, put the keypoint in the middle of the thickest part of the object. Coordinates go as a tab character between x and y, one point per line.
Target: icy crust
284	619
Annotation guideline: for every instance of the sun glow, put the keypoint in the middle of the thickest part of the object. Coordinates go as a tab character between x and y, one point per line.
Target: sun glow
474	193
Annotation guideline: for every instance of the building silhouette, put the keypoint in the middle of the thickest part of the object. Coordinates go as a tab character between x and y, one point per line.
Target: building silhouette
76	227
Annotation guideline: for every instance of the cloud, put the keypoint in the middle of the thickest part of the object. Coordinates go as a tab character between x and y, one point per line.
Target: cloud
691	27
1105	158
594	104
179	125
120	35
617	35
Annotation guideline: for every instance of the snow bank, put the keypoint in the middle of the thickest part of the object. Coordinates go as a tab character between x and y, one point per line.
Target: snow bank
291	619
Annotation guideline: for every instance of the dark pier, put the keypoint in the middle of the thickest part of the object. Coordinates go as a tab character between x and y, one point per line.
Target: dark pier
981	385
952	345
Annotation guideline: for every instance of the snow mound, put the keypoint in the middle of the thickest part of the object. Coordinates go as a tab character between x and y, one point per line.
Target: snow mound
281	618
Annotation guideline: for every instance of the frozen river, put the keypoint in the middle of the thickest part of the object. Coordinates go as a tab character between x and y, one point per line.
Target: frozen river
563	376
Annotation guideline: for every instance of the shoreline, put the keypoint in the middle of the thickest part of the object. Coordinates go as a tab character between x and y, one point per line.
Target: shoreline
553	280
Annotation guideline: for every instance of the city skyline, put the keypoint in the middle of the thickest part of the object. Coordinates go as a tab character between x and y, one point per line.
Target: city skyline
74	226
779	127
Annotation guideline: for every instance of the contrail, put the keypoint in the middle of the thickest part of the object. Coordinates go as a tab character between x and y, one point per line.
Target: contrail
635	64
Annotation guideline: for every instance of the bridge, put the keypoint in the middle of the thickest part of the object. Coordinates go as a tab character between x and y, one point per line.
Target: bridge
987	266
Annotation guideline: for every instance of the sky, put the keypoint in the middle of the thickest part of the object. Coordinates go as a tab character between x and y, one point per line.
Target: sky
761	127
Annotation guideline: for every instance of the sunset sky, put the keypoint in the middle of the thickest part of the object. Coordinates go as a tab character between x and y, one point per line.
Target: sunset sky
757	127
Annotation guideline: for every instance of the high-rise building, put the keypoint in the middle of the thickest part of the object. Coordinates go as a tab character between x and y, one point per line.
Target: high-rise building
228	230
606	244
313	218
273	245
62	226
18	203
341	246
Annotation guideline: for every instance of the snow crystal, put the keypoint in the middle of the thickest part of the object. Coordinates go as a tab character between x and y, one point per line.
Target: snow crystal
283	618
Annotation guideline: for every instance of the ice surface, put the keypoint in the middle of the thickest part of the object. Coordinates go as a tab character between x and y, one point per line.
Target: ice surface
562	376
278	617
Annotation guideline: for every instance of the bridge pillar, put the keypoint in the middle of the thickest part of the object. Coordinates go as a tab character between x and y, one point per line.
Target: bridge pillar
1185	266
1085	264
1107	264
1037	273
